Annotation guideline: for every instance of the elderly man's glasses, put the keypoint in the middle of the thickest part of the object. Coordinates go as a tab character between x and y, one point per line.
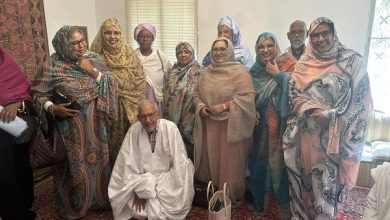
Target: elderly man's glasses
78	42
324	34
300	32
143	117
219	50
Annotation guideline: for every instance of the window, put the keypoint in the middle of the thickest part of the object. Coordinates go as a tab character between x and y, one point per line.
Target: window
175	21
378	66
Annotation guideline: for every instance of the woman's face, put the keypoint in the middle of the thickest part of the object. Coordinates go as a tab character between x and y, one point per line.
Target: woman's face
145	39
184	56
78	44
266	50
225	31
322	38
112	37
219	51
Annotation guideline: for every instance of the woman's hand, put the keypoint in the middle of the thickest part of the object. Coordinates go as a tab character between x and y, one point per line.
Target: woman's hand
272	68
62	111
87	67
257	117
204	111
217	109
9	111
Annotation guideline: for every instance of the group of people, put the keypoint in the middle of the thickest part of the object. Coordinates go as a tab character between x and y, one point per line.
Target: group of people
290	123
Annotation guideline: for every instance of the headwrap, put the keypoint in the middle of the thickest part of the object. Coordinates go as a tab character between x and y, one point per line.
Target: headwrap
332	53
99	44
13	83
185	45
228	21
61	44
146	26
229	51
262	38
313	63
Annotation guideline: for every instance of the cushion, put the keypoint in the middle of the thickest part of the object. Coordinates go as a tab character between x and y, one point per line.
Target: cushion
378	127
380	151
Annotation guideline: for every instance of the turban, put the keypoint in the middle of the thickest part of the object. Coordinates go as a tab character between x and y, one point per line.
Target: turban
146	26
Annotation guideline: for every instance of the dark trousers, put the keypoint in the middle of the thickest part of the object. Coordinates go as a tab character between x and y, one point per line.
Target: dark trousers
16	180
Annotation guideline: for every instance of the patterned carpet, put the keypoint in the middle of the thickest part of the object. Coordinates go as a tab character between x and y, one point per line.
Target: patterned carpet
351	209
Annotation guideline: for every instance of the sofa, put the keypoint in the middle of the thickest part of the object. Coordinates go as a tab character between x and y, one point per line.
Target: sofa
376	149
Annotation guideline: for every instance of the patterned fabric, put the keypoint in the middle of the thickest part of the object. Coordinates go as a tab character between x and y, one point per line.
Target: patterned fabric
82	182
23	33
222	140
125	65
325	135
267	169
178	96
152	138
241	53
14	85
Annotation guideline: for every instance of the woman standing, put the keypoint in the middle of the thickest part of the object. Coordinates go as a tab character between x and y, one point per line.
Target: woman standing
225	117
82	76
267	169
155	63
228	28
125	65
325	135
178	97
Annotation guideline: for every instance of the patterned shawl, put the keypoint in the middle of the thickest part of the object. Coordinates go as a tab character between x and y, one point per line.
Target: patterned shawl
61	74
267	89
125	65
337	83
13	83
178	95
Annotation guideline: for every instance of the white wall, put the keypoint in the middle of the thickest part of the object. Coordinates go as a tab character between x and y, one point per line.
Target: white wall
351	19
113	8
69	12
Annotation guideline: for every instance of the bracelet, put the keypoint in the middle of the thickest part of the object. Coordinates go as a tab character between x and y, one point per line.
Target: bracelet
50	110
23	109
224	107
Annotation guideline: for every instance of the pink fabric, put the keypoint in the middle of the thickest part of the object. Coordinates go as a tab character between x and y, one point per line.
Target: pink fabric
13	83
146	26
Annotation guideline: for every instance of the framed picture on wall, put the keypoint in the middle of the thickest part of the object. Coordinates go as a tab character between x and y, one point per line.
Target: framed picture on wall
84	29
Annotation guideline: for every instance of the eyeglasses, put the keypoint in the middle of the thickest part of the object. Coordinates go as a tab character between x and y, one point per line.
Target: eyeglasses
78	42
299	32
324	34
145	116
219	50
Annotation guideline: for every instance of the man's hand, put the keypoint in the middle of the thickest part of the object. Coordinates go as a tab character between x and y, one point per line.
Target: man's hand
138	204
9	111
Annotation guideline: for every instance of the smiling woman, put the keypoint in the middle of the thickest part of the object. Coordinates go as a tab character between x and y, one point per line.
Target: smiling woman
125	65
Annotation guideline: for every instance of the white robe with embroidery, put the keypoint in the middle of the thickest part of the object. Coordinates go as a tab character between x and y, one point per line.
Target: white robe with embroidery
378	200
164	178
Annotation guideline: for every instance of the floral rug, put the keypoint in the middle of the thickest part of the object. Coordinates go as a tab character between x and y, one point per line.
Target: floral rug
351	209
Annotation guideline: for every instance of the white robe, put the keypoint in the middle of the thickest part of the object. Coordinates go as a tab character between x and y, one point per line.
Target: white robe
378	199
164	178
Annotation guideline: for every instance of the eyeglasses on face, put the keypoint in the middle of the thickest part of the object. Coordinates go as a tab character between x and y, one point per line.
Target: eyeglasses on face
324	34
78	42
143	117
219	50
298	32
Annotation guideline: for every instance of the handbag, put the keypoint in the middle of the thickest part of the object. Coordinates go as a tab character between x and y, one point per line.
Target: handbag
201	197
58	98
220	206
46	149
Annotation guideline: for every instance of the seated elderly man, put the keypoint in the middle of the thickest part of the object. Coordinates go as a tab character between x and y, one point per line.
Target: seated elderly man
152	177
